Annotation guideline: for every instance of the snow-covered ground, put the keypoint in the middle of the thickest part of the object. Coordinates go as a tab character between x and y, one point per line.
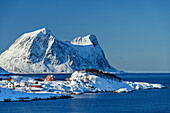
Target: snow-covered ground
12	95
79	82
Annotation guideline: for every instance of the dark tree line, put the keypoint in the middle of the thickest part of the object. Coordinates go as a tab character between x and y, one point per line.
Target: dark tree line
102	74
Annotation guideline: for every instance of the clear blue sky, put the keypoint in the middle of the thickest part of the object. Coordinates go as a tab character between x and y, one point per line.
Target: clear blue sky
134	34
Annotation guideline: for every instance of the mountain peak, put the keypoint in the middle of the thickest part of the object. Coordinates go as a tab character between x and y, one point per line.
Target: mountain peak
86	40
42	30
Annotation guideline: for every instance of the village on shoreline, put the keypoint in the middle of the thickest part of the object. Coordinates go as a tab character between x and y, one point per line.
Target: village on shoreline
21	88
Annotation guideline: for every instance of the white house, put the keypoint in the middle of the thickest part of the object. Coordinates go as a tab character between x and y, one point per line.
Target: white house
11	85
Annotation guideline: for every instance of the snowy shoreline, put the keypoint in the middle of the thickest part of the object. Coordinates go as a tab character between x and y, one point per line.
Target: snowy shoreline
8	95
20	88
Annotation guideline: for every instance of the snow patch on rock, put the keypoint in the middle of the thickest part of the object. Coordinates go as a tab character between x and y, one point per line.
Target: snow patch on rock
86	40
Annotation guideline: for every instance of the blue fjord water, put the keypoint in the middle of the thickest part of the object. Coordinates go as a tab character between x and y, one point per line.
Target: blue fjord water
142	101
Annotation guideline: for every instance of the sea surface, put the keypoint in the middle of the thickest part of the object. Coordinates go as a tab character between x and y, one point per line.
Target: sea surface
141	101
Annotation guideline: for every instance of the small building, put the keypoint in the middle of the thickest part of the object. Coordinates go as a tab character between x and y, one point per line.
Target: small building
35	82
68	78
16	84
35	85
50	78
11	85
36	89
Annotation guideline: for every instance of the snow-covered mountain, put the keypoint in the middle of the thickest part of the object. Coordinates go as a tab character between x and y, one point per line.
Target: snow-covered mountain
2	71
40	51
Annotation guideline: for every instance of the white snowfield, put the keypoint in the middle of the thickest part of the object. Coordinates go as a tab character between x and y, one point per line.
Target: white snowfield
41	52
12	95
78	83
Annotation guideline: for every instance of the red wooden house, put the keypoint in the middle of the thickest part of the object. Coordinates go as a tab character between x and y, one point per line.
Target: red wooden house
36	85
50	78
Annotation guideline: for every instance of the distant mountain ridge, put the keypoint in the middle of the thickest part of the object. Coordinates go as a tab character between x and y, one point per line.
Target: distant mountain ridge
40	52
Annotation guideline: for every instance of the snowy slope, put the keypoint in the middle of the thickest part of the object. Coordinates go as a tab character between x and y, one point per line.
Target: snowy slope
82	82
2	71
40	51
